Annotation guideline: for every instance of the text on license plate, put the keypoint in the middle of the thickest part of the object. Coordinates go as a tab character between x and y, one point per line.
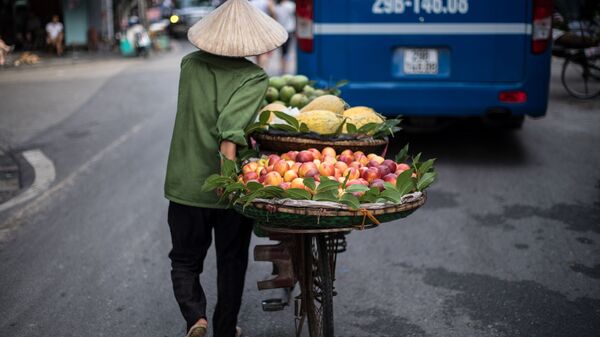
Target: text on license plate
420	61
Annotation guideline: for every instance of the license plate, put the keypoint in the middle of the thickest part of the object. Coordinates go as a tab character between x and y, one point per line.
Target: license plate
420	61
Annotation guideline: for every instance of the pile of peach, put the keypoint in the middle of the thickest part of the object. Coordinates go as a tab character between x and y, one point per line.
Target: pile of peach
290	169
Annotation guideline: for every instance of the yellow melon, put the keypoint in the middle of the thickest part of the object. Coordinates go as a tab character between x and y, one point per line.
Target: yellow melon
320	121
326	102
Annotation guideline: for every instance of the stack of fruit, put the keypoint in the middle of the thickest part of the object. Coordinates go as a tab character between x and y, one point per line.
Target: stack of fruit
295	91
326	115
351	177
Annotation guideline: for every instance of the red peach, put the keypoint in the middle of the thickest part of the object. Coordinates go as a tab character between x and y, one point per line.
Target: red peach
298	183
273	179
273	159
390	178
328	151
250	176
316	153
305	156
290	175
363	160
296	166
378	183
346	158
347	152
250	167
391	164
372	163
317	162
402	167
352	173
326	169
341	166
370	174
290	155
355	164
379	159
329	159
371	156
285	185
359	154
383	170
306	168
281	167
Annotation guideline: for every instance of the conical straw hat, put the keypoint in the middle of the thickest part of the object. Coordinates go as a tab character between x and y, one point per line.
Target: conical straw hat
237	29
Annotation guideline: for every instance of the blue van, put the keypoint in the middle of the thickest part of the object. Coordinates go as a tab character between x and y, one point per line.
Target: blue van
437	58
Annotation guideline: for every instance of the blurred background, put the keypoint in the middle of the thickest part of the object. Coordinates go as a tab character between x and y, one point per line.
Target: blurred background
504	94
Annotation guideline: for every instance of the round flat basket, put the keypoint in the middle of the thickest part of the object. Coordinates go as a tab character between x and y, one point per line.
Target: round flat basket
281	143
293	214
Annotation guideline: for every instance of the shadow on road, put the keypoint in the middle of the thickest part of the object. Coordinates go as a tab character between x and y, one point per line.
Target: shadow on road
466	142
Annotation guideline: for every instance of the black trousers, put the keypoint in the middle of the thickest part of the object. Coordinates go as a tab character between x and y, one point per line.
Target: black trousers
191	235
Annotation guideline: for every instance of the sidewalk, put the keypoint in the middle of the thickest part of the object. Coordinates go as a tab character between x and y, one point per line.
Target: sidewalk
69	57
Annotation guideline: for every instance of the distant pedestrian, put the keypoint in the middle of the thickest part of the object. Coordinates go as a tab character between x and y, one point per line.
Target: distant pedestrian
285	13
55	34
220	92
4	50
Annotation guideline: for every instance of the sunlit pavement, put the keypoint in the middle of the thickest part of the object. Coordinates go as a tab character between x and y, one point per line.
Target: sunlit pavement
507	244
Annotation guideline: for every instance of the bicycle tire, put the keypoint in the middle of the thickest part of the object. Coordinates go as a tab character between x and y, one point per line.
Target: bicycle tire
571	63
318	295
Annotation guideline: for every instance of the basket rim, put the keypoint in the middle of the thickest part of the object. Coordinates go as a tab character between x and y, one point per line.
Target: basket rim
339	210
341	142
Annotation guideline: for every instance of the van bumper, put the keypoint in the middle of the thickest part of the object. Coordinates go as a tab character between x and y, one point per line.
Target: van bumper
445	99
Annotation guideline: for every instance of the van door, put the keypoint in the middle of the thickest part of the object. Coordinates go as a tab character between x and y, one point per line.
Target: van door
420	40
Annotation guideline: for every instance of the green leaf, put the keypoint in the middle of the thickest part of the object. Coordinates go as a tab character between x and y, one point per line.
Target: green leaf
215	181
327	184
264	117
351	128
392	195
402	156
328	195
426	180
298	194
405	183
350	200
369	127
389	186
310	183
288	119
254	127
371	195
254	186
304	127
340	128
228	167
416	159
234	187
357	188
283	127
426	166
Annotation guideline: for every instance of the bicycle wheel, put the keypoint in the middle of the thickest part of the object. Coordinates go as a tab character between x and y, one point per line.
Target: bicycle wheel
318	290
581	76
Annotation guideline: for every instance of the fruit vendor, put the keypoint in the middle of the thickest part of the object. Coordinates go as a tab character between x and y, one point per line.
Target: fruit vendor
219	94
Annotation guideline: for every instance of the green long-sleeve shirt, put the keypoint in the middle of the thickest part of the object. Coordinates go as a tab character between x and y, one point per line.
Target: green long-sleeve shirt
218	98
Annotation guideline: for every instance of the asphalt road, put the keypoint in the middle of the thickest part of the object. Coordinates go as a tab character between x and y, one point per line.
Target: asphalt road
508	243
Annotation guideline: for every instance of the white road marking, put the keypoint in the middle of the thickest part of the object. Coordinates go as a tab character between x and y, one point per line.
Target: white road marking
44	177
33	207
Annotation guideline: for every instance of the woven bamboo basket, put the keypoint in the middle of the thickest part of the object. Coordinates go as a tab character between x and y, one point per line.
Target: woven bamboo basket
290	214
281	143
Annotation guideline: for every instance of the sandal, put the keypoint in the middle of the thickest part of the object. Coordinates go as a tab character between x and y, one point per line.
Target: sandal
198	330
